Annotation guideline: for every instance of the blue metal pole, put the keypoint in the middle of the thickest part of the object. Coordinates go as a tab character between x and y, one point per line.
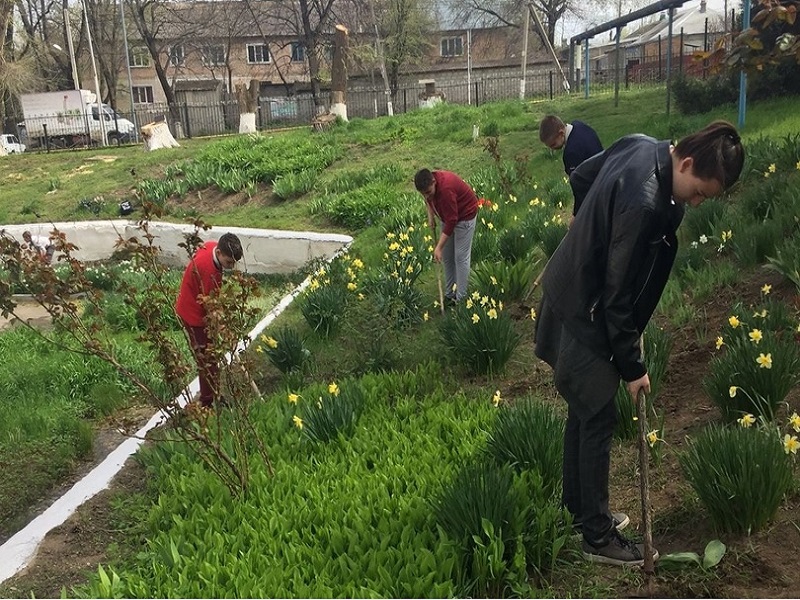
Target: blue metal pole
743	75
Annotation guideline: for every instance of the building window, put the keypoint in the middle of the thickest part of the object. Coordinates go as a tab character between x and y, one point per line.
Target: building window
452	46
298	52
214	56
177	56
257	53
143	94
139	57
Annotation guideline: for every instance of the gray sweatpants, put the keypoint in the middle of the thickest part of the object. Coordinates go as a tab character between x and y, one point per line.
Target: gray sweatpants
456	257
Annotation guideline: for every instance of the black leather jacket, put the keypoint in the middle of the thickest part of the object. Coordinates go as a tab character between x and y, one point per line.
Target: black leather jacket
607	276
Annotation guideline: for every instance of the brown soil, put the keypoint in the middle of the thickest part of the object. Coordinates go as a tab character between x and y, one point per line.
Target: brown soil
761	565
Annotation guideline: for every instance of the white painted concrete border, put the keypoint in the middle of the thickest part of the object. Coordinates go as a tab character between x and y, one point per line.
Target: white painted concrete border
21	548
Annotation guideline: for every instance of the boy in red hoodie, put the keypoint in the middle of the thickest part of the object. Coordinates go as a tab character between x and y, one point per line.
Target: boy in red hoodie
203	276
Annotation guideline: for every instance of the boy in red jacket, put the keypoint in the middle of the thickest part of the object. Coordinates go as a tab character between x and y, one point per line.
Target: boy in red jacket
203	276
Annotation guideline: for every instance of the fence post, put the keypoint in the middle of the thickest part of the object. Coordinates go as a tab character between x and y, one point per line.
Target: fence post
477	102
46	137
405	106
659	58
680	64
627	75
186	118
550	80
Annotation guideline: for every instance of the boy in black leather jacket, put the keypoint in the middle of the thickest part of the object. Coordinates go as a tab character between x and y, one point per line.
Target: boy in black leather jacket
599	291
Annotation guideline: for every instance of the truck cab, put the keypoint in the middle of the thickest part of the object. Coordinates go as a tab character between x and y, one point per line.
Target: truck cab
11	144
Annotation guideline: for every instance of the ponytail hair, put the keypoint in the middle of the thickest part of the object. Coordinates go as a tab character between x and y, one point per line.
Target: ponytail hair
716	151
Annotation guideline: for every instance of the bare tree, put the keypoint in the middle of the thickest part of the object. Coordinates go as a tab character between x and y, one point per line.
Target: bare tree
167	29
104	22
487	13
405	27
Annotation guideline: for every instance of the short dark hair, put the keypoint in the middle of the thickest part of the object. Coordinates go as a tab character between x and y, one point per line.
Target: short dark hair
423	179
716	151
26	234
230	245
549	128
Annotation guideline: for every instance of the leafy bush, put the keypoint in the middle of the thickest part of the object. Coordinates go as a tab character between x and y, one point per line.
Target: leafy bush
551	237
480	335
287	350
514	245
398	301
529	435
504	281
694	96
332	414
323	307
755	369
294	185
740	475
787	261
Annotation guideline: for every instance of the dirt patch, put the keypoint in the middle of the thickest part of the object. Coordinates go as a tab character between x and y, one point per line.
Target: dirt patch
212	200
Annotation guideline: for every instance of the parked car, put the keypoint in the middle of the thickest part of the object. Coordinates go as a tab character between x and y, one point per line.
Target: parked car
11	144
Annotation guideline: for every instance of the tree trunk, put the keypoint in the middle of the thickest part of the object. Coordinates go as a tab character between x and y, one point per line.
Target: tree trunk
339	73
247	97
157	135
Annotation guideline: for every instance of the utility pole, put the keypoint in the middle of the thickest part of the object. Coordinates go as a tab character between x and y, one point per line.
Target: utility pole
381	60
70	47
128	66
100	113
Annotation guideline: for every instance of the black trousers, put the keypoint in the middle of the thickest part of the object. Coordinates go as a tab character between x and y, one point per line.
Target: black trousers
588	383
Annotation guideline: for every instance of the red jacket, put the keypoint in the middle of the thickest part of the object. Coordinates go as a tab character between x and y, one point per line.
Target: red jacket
202	276
453	201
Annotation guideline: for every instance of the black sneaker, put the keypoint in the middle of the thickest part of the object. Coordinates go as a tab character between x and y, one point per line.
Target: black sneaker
618	551
621	521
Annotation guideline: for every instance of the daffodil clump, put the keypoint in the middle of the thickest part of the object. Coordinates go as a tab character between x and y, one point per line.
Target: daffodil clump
506	281
285	349
740	472
323	413
330	288
757	360
480	334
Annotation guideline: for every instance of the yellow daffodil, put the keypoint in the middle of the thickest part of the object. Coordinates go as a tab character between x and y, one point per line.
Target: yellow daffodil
313	285
389	235
410	249
797	166
358	263
734	321
259	349
533	314
298	422
490	225
719	343
790	444
726	235
360	296
454	288
475	318
293	398
271	342
772	168
333	389
765	360
484	300
430	249
766	173
755	336
794	421
496	398
493	279
409	269
766	289
425	316
491	313
352	286
761	313
747	420
394	246
475	295
652	438
732	391
496	207
435	304
469	303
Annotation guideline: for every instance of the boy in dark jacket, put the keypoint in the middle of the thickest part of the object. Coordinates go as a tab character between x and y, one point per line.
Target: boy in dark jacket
599	291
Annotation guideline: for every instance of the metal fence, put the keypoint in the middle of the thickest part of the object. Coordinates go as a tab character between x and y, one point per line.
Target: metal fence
364	101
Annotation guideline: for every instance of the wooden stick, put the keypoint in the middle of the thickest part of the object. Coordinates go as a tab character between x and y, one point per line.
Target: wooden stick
644	488
439	281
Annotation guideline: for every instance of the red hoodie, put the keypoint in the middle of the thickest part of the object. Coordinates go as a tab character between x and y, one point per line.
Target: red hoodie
202	276
453	201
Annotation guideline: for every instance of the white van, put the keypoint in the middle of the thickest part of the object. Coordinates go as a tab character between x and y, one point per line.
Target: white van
10	144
